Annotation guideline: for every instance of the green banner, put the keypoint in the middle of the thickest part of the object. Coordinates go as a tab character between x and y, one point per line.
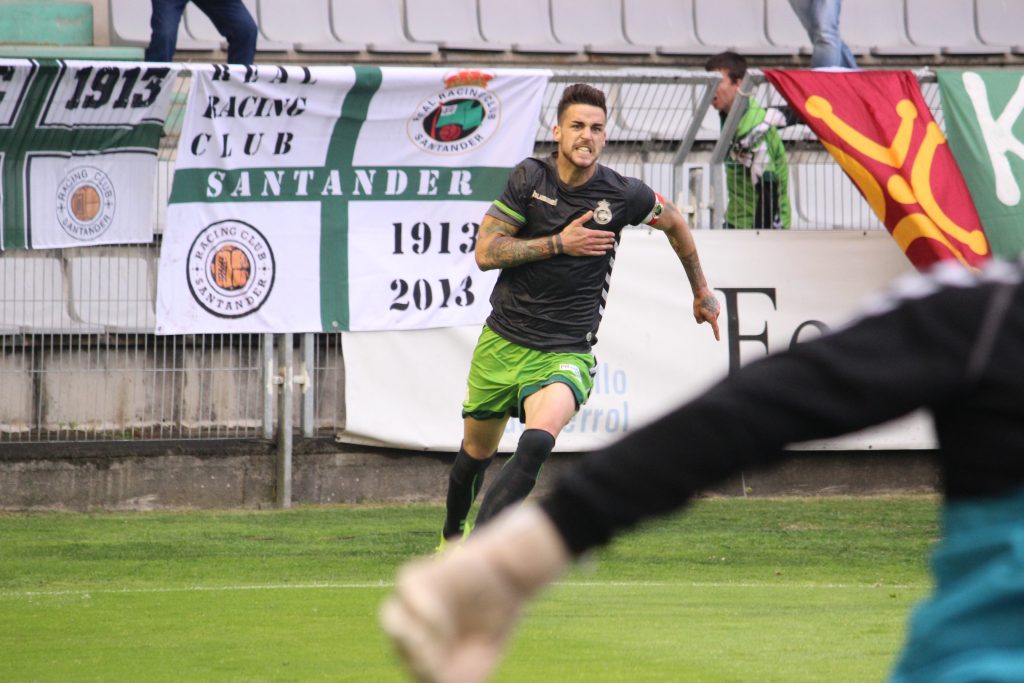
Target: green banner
985	130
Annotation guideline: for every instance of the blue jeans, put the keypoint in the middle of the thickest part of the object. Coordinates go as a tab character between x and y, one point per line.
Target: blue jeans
821	20
230	17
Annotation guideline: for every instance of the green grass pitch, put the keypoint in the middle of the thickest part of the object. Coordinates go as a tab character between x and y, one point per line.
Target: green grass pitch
798	589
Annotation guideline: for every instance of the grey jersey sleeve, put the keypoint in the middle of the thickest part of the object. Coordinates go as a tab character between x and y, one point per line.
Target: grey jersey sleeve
511	206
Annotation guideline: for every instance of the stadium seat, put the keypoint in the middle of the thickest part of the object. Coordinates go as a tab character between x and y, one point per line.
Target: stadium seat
738	24
878	27
112	287
197	32
306	25
667	24
948	25
129	22
525	24
50	23
378	24
264	43
34	298
200	26
783	27
452	24
595	24
129	25
58	30
1000	21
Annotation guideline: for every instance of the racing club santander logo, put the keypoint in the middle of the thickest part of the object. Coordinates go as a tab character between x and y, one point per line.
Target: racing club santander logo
460	118
230	269
85	203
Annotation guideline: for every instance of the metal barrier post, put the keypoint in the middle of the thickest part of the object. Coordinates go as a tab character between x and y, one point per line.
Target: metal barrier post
693	209
286	376
305	378
269	376
718	154
686	145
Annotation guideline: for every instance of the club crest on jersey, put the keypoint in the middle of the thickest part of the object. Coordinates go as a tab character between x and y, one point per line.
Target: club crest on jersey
85	203
458	119
230	269
603	213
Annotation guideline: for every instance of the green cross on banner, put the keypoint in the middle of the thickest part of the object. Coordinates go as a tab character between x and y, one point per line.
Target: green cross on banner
78	151
327	198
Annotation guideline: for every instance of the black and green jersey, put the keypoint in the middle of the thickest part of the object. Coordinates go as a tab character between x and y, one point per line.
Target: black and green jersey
556	304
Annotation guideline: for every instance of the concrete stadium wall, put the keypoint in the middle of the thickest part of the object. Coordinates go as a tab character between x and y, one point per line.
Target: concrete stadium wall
145	391
241	474
98	392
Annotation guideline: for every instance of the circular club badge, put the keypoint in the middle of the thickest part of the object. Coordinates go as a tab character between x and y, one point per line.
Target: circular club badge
458	119
230	269
85	203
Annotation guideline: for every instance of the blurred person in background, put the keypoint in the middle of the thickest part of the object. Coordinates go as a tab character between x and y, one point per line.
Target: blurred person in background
821	20
756	168
230	17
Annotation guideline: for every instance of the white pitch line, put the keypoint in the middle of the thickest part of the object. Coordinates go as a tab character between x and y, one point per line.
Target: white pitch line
194	589
726	584
387	584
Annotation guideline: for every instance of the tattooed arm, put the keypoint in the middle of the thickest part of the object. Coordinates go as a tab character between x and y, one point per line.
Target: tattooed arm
705	305
498	247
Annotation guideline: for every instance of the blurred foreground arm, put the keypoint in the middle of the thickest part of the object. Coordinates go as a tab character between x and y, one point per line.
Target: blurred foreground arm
933	348
451	614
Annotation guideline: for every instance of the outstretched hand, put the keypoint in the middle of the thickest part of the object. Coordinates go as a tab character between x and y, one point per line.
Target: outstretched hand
706	310
450	615
578	240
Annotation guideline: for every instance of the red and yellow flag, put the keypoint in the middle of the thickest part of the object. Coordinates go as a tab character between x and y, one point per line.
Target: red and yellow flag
878	128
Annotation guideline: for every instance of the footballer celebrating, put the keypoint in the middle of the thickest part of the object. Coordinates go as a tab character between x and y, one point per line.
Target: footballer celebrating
553	233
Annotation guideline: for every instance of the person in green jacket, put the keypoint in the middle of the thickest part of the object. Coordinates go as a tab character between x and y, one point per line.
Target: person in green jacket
756	170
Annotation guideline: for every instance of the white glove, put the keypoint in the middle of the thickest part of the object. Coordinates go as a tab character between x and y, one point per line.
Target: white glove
754	159
751	150
451	614
753	137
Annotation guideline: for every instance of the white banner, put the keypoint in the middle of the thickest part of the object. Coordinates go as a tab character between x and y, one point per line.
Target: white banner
405	389
79	145
338	198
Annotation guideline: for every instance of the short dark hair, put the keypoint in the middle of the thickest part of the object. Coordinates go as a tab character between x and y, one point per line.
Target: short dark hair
581	93
734	64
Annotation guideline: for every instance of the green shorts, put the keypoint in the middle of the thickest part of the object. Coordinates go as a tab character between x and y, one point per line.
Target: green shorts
503	374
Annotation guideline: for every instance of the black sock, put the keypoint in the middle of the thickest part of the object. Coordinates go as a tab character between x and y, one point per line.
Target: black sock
519	475
464	481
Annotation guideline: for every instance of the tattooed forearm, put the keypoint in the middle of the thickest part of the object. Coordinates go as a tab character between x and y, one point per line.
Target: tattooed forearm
686	250
505	251
694	273
498	247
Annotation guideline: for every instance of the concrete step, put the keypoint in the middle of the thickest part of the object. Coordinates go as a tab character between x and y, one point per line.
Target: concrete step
96	52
